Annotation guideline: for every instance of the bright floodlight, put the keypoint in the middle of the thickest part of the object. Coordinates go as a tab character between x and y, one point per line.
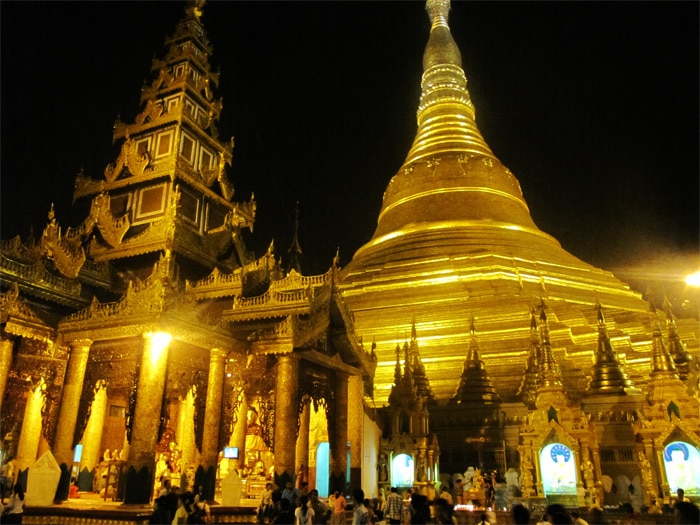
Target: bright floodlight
693	280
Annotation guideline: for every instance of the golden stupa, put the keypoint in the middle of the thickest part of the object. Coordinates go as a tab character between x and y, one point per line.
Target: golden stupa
455	241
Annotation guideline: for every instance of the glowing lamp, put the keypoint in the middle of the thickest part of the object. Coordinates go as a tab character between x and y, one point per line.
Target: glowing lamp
693	279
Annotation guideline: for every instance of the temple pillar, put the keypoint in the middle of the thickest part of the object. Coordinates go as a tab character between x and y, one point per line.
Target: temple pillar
184	433
210	437
339	436
302	449
146	419
286	403
70	401
355	424
240	428
30	434
6	346
92	436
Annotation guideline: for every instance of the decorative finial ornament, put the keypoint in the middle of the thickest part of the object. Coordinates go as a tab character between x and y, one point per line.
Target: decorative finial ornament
193	8
438	11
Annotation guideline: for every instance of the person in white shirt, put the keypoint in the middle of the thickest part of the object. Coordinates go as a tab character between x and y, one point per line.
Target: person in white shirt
303	515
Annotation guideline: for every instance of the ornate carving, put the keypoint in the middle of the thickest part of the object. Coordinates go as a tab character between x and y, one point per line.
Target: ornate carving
129	158
111	228
67	258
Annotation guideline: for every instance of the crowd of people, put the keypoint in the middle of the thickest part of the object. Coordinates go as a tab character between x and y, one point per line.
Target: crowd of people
179	508
303	507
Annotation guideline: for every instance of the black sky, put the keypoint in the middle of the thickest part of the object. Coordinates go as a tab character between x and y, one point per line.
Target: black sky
592	105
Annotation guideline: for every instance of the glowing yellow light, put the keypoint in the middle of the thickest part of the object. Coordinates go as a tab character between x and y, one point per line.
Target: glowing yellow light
693	280
159	342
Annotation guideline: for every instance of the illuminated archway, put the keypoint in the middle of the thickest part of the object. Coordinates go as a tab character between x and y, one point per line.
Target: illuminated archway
558	468
682	462
402	471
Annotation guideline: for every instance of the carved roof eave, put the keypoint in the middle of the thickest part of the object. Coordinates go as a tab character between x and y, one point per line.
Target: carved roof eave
19	318
334	363
661	430
35	280
217	284
347	336
142	310
100	329
86	186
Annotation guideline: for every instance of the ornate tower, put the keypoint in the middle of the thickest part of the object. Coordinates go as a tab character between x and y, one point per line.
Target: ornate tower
168	189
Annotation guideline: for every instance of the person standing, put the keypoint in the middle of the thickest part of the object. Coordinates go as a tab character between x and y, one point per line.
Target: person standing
577	519
394	507
303	515
544	520
339	504
321	510
360	514
290	494
15	506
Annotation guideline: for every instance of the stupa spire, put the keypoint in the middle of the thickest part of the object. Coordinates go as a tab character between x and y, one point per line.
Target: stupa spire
550	374
416	367
608	373
475	385
527	392
680	354
294	252
450	176
661	360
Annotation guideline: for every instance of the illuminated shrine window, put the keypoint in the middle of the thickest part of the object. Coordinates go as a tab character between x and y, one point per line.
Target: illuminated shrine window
682	462
402	471
558	468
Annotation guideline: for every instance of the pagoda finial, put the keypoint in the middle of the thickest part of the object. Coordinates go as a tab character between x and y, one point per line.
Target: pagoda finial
475	386
549	369
438	11
193	8
679	352
608	373
295	251
527	392
661	360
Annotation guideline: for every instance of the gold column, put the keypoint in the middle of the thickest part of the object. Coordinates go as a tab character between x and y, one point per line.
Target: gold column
5	365
339	436
240	428
30	434
302	450
210	436
92	437
185	431
146	417
70	401
286	396
215	388
355	423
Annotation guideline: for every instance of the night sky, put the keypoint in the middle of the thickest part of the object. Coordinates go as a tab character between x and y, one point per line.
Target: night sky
593	106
